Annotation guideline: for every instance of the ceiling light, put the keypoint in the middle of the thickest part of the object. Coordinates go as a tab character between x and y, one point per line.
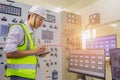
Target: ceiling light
59	9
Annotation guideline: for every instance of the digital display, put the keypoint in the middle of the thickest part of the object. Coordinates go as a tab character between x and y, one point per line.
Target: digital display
88	62
4	30
115	63
11	10
104	42
51	18
47	35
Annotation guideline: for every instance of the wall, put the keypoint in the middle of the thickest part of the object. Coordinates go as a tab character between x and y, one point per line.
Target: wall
109	11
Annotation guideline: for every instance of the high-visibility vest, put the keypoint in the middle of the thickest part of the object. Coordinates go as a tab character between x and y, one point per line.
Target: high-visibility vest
25	66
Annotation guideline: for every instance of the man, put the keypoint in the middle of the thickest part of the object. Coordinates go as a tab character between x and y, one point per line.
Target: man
20	47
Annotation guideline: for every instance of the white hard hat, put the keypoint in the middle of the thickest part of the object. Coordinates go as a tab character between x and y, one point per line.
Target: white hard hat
40	10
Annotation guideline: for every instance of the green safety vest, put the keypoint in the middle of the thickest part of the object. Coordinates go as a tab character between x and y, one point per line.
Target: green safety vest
25	66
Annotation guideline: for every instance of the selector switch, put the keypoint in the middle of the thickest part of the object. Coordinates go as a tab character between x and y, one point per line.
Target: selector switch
47	64
55	63
4	39
2	62
0	55
55	55
4	19
21	21
1	47
51	54
55	27
14	20
45	41
50	26
45	60
51	63
55	49
43	25
51	49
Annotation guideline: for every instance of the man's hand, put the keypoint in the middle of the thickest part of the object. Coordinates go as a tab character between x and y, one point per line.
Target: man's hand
39	49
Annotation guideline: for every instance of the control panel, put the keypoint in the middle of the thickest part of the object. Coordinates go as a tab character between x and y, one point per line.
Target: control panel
10	13
50	66
115	63
88	62
71	40
104	42
2	61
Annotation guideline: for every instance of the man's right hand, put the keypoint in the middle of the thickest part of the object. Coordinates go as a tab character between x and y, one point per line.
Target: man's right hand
22	53
39	49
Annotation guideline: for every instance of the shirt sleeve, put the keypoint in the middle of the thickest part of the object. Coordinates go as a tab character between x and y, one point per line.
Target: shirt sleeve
15	37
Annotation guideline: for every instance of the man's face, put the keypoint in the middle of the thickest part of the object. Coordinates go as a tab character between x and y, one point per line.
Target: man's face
39	21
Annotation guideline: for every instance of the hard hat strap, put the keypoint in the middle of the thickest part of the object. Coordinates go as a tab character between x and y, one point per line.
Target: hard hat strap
35	20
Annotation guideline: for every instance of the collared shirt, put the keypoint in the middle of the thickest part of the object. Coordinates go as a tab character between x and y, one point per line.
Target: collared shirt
15	37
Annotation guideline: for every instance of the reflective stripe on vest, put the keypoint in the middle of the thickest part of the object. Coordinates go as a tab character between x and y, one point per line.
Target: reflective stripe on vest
28	44
25	66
